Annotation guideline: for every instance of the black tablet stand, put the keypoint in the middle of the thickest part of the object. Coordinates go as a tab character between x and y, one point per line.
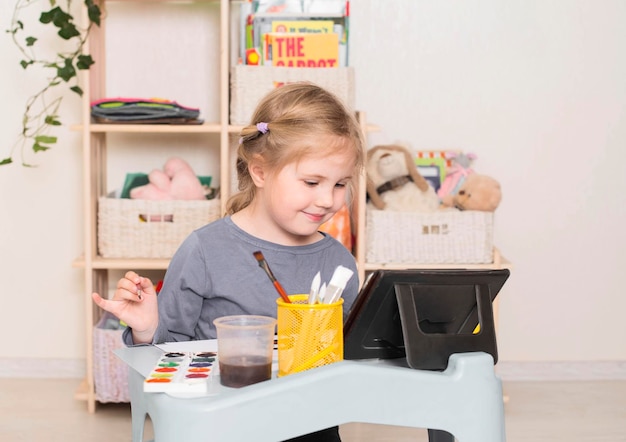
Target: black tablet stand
433	329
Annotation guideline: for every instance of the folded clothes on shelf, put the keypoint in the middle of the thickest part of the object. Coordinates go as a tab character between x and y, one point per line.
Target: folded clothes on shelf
139	110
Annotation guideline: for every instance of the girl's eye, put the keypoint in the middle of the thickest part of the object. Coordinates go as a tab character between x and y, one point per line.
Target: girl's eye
311	183
340	185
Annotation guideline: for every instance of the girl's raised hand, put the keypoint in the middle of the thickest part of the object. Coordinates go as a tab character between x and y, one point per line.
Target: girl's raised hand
134	303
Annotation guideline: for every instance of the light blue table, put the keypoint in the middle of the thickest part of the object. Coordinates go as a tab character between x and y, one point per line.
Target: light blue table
465	400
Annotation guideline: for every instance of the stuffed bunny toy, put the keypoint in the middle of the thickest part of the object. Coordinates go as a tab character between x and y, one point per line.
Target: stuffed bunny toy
394	183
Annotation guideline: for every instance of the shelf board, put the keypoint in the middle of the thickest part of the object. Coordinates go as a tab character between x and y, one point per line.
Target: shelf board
404	266
124	263
170	128
237	128
499	262
152	128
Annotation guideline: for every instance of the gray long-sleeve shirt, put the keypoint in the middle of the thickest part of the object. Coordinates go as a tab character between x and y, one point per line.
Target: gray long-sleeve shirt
214	273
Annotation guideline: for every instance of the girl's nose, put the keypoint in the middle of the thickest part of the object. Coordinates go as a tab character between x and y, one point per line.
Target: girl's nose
325	198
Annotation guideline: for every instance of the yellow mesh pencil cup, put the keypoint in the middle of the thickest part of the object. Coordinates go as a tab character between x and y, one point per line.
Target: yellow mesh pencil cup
309	336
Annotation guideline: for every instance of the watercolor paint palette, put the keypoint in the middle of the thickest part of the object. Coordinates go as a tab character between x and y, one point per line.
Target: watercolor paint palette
182	372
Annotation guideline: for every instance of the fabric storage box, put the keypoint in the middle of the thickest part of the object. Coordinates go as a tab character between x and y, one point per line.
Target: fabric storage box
109	372
445	237
129	228
248	84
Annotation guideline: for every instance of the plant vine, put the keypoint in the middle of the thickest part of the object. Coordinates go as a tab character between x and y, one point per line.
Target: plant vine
41	111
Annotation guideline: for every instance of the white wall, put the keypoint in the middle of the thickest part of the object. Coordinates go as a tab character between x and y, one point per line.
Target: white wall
41	295
535	88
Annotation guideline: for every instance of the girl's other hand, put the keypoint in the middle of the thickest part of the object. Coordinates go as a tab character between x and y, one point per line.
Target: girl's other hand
135	303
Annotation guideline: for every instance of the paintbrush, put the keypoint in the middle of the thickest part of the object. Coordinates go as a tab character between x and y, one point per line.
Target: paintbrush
337	284
263	264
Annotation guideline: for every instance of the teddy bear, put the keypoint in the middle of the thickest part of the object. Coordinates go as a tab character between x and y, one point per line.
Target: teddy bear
394	183
177	181
477	192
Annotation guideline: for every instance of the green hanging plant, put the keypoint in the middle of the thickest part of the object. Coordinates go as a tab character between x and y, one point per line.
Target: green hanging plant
41	111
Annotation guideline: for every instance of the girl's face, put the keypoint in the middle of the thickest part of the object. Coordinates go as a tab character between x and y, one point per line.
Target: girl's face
296	200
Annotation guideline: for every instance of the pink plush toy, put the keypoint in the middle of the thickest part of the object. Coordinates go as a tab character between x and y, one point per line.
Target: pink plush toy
456	174
177	181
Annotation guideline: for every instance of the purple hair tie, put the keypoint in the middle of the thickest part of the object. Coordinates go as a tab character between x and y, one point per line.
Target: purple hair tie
262	127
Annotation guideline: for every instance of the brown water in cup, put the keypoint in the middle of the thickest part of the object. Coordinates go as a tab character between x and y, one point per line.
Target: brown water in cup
245	347
242	371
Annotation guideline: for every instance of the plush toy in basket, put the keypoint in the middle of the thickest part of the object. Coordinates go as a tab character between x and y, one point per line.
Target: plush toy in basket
456	172
465	189
394	183
177	181
478	192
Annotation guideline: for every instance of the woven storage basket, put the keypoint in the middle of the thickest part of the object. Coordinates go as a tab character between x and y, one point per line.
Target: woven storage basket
129	228
447	237
248	84
110	373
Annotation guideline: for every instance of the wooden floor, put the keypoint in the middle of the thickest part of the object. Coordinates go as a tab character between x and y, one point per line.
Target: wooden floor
45	410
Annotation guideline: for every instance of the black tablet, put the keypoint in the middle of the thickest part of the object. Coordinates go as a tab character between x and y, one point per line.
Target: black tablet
423	315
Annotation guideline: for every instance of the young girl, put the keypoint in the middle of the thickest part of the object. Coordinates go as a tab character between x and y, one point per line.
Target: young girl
296	163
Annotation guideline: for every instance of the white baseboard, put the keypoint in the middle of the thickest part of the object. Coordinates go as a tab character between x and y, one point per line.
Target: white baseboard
506	370
561	371
42	368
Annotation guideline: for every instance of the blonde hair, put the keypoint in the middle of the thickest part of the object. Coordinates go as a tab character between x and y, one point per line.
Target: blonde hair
297	115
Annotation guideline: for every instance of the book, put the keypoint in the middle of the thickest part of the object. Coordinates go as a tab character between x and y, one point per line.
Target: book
303	50
432	174
303	26
258	19
432	165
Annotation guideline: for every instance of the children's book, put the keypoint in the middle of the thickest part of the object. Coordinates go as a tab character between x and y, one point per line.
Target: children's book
261	18
432	174
304	50
303	26
432	165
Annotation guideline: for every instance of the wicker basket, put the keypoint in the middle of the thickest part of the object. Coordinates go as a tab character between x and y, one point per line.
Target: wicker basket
110	373
129	228
446	237
248	84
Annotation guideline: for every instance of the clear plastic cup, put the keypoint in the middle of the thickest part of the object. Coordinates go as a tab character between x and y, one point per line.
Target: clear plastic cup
245	345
